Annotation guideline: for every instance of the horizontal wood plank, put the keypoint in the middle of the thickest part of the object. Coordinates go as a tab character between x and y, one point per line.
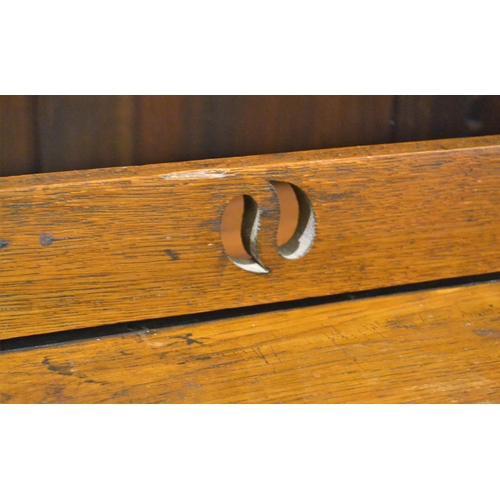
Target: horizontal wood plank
440	346
98	247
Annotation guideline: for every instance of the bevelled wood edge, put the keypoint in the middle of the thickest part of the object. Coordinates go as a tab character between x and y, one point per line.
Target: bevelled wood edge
269	160
88	248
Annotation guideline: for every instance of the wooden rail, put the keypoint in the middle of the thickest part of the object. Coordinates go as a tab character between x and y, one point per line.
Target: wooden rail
88	248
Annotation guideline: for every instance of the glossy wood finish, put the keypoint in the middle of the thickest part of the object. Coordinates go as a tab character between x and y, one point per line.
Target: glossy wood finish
17	135
81	132
173	128
53	133
419	118
99	247
50	133
440	346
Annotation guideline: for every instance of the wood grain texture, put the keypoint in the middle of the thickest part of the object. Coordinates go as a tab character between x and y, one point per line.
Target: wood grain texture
177	128
17	135
171	128
53	133
98	247
419	118
82	132
440	346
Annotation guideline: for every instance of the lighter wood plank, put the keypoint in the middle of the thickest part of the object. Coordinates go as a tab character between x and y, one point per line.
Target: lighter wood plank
99	247
440	346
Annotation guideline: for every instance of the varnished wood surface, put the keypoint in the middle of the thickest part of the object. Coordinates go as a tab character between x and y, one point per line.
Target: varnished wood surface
50	133
98	247
83	132
172	128
424	117
440	346
77	132
17	135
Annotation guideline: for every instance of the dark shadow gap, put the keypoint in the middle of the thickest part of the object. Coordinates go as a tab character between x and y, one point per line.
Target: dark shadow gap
47	339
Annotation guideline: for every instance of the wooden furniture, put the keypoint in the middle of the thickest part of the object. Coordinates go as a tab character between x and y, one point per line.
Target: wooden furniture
116	286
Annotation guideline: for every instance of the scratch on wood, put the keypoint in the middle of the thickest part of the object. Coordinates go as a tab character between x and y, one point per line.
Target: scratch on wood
145	339
260	355
350	356
198	174
482	332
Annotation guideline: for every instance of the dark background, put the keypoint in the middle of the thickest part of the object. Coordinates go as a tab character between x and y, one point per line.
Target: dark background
50	133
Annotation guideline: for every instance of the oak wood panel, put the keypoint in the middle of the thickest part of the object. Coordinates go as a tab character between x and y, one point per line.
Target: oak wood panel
440	346
98	247
173	128
17	135
82	132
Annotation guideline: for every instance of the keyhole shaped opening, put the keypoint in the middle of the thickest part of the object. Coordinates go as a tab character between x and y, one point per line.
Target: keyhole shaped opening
297	225
239	229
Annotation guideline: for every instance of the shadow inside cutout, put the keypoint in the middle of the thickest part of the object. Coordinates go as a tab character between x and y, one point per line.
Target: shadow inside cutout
239	229
297	225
